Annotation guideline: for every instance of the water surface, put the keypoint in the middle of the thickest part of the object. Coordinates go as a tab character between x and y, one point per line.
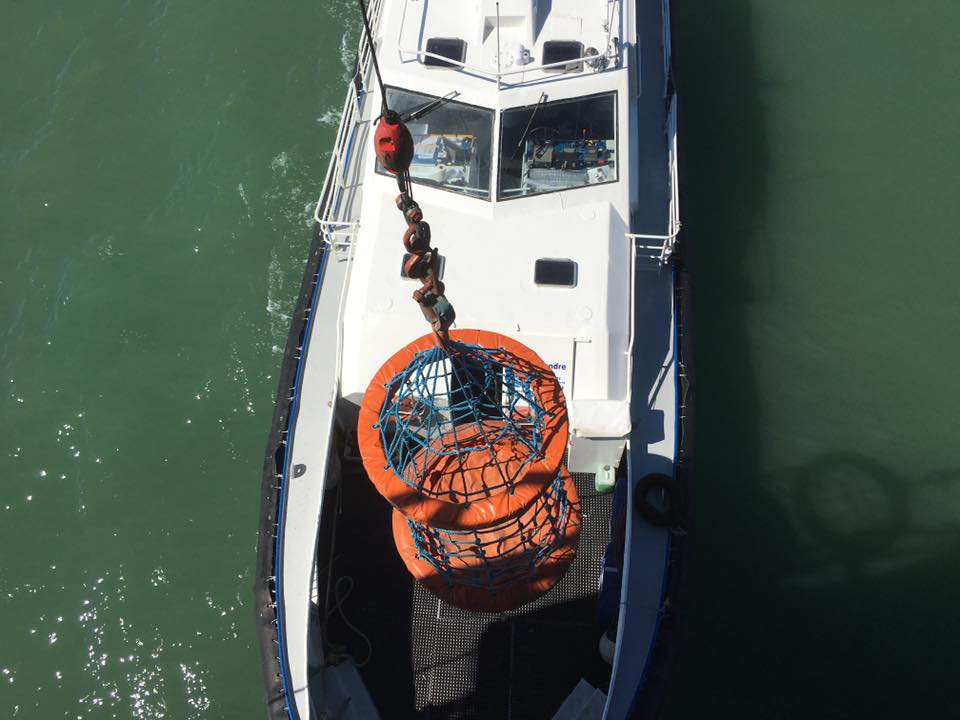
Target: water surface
819	154
157	164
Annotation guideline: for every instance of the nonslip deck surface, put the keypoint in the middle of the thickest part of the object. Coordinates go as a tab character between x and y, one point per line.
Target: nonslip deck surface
431	660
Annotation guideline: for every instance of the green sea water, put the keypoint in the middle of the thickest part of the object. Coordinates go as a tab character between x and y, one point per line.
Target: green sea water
158	163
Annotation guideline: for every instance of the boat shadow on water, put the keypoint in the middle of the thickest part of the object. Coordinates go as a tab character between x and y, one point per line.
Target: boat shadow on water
832	577
805	591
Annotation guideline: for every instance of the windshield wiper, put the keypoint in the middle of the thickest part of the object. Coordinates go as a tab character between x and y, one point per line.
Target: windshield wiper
523	136
430	106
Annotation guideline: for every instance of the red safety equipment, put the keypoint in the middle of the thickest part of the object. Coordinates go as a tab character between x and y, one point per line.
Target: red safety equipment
477	469
485	514
494	549
393	146
393	143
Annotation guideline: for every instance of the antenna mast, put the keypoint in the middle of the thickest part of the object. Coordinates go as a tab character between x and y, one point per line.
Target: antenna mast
498	46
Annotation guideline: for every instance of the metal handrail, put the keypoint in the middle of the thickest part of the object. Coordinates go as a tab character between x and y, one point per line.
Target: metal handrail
665	249
667	246
642	236
667	41
675	223
610	55
498	76
328	211
332	229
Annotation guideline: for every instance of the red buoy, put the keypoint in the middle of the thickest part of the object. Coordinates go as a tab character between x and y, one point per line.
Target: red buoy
393	143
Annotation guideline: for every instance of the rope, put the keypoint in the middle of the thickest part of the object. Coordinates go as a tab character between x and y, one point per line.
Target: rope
339	653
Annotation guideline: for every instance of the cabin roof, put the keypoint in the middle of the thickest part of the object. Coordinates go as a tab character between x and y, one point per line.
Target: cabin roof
530	34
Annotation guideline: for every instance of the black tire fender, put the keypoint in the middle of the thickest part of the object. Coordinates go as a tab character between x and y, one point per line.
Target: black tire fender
657	500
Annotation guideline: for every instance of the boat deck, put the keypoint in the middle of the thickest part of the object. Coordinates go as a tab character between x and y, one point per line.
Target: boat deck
431	660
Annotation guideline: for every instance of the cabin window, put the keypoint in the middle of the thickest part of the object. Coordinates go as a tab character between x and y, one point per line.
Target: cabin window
547	271
558	146
452	143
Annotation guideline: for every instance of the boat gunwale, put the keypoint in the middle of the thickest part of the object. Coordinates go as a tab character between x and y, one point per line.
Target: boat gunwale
267	588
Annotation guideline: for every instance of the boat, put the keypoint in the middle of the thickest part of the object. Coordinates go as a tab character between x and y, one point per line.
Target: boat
534	147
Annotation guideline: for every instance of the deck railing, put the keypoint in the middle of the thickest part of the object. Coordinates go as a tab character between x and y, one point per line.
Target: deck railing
667	45
609	57
662	251
675	223
499	75
336	229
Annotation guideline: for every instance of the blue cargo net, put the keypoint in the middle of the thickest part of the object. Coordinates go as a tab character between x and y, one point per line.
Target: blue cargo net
502	555
459	401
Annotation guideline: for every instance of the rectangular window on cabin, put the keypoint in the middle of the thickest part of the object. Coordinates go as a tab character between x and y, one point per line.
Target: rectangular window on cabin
453	143
558	145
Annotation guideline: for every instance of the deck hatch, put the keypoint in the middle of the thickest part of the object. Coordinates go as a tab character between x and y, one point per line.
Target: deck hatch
548	271
453	48
555	51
